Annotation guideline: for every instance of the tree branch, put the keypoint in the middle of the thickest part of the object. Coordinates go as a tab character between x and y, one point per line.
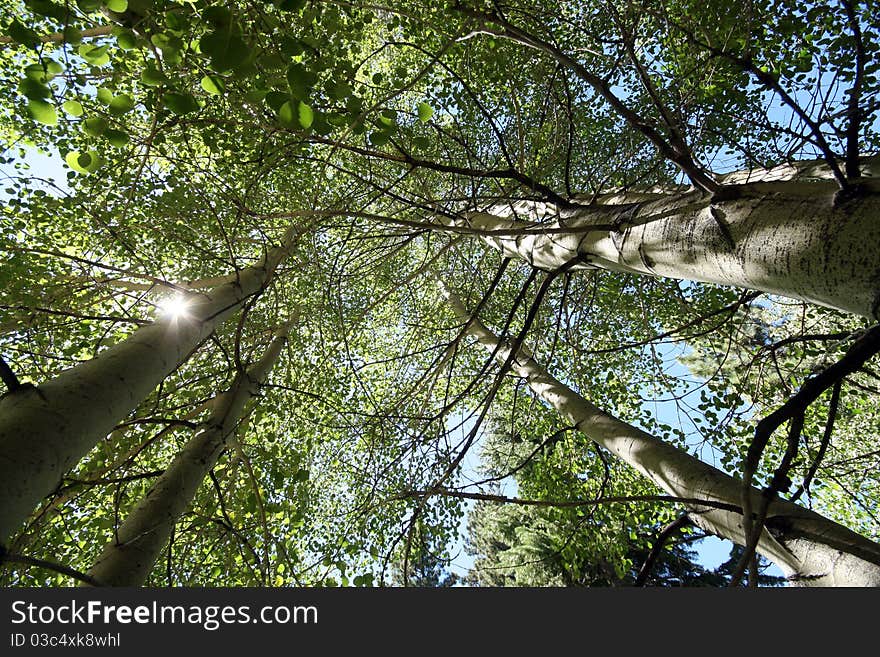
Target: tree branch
681	158
58	37
8	376
657	549
826	440
503	499
12	557
793	410
853	113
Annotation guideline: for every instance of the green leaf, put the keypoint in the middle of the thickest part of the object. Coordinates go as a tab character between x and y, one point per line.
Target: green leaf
255	95
94	55
180	103
104	95
341	91
213	85
34	90
47	8
301	80
217	17
289	5
286	114
23	35
388	118
42	111
119	6
73	107
226	50
94	126
127	40
305	115
83	162
275	100
167	43
291	47
153	77
379	138
321	125
121	104
425	112
117	138
177	22
42	74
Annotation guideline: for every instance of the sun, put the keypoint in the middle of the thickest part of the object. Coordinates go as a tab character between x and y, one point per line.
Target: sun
175	307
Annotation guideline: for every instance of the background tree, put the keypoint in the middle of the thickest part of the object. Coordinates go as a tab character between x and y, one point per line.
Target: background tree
517	544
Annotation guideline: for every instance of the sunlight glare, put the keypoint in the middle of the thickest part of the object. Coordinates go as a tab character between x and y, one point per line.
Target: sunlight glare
175	307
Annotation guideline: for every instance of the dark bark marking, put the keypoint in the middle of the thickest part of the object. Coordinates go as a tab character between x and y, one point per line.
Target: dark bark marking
719	217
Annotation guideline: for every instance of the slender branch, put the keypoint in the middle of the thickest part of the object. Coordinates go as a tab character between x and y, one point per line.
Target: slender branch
542	447
857	355
64	313
807	337
826	440
748	297
754	526
625	499
58	37
676	138
793	410
531	229
771	83
12	557
657	549
114	480
853	113
504	174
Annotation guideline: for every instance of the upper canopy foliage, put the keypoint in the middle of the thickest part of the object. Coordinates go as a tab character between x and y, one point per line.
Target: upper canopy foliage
195	132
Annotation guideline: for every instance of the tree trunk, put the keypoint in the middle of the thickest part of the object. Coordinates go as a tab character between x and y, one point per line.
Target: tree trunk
789	238
128	558
807	547
46	430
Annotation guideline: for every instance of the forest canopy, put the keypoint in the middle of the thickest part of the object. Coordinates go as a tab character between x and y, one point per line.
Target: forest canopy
319	279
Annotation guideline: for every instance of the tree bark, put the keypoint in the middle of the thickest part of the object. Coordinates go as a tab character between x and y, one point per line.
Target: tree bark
45	430
792	238
809	548
128	558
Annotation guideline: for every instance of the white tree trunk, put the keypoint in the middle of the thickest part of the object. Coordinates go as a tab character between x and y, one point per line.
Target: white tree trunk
807	547
786	238
46	430
130	555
